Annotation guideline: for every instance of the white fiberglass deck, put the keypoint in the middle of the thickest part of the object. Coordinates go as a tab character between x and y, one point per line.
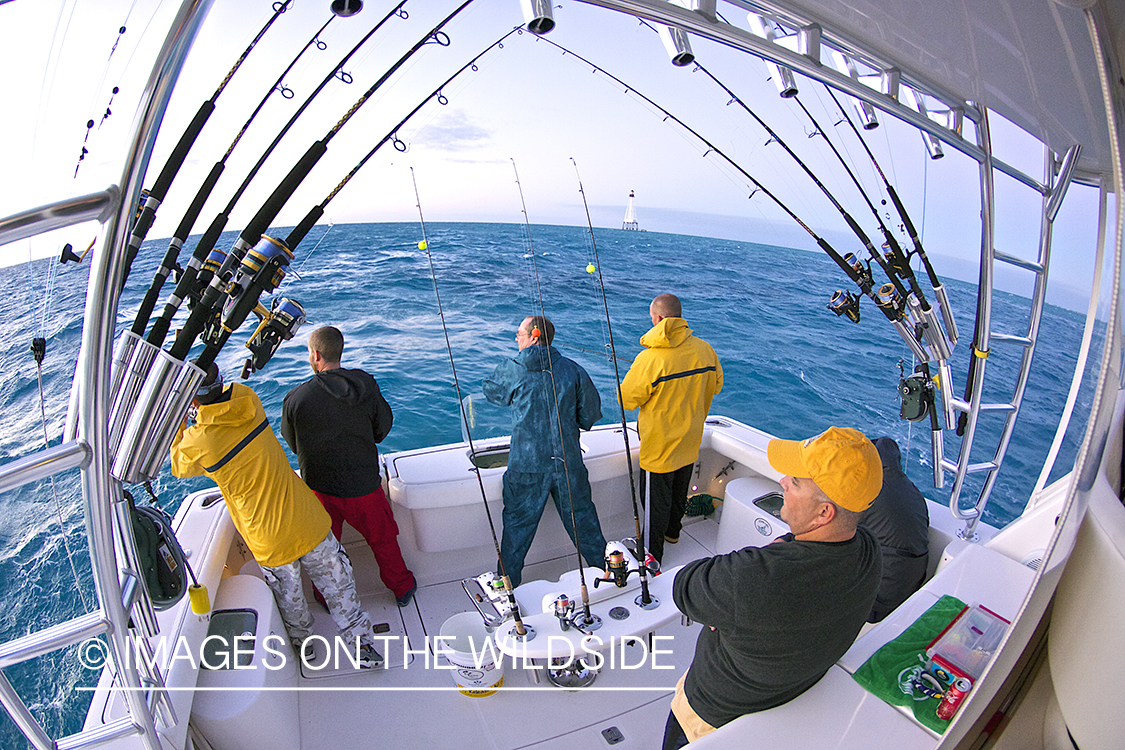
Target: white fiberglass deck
422	707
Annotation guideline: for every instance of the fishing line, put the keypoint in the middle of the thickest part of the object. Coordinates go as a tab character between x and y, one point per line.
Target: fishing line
588	616
197	282
297	272
269	210
645	599
424	246
38	350
196	206
593	351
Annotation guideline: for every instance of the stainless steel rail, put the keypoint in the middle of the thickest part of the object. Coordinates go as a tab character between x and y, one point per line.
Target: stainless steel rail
812	66
975	407
93	207
118	594
43	464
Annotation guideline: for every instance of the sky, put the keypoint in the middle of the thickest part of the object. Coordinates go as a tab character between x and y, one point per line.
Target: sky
527	110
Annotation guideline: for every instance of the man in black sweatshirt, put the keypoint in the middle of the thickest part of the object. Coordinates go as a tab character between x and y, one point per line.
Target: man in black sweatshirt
776	618
332	422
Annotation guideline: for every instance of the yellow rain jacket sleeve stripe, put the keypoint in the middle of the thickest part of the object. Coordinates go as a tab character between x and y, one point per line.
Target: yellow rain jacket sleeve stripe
278	516
671	382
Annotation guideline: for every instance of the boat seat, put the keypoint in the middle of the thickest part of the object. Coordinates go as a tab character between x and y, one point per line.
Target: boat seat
743	523
843	716
839	701
1002	590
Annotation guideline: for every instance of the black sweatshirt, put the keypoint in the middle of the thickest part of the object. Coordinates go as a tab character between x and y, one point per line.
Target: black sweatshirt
332	422
783	614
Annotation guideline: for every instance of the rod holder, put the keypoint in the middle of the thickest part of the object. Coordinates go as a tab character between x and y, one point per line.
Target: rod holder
183	391
131	362
938	448
346	8
931	331
945	376
908	336
946	314
538	15
162	400
782	77
677	45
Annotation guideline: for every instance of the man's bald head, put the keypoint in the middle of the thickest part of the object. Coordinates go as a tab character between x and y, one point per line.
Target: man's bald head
665	306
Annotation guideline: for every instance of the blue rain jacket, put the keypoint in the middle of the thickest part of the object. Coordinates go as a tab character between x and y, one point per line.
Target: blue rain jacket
524	383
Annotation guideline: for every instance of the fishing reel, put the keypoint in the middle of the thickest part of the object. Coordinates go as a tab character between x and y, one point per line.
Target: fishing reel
844	303
261	270
207	270
917	393
491	601
621	562
563	608
901	269
571	614
277	324
891	302
863	277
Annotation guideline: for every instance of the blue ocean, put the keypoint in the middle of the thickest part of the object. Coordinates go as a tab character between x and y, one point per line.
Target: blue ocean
791	367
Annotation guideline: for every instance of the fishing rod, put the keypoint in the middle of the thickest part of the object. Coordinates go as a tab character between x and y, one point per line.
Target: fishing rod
927	327
201	196
645	600
935	281
154	196
316	212
589	619
263	273
522	631
851	222
279	322
850	264
205	260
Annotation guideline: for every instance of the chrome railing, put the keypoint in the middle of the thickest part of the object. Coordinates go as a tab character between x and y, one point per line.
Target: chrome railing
119	594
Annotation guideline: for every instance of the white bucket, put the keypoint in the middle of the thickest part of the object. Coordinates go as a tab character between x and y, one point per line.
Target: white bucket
477	674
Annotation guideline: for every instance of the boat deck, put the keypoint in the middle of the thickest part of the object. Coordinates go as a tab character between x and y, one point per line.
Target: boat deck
417	705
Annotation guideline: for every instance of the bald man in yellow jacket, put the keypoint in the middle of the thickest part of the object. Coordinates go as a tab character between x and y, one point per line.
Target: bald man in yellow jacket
278	516
671	382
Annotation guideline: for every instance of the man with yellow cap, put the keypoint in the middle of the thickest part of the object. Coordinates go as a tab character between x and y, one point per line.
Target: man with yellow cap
777	617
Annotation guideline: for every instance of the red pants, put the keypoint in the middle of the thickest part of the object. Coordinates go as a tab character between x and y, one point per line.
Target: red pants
371	516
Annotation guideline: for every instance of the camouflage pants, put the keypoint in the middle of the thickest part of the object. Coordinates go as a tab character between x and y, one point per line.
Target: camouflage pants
329	568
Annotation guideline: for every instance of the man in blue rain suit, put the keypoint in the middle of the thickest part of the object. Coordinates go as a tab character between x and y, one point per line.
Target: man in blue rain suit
550	396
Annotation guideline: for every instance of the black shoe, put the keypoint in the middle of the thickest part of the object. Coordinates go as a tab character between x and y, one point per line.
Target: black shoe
404	600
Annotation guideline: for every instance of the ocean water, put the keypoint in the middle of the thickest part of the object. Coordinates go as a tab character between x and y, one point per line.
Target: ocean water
791	368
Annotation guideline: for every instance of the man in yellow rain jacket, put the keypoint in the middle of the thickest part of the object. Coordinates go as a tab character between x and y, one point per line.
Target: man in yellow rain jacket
278	516
671	382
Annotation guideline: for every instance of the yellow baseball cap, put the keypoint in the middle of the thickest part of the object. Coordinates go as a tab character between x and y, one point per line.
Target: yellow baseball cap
842	462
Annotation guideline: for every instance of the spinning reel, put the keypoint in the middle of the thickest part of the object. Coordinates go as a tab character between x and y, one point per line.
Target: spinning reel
277	324
260	271
845	303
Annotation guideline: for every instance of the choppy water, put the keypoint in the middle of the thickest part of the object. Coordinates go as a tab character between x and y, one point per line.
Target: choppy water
791	368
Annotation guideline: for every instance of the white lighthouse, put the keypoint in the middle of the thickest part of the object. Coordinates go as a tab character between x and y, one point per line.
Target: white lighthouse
630	215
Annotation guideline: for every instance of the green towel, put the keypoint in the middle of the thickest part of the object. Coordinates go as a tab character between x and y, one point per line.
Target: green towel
889	671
